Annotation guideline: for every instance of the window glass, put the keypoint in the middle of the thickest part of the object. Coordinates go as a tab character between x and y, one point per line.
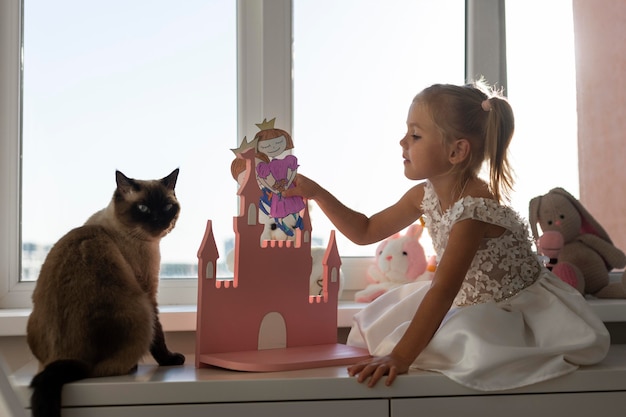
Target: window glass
542	91
142	86
145	87
357	66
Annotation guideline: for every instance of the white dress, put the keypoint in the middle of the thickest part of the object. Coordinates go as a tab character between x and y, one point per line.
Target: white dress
513	322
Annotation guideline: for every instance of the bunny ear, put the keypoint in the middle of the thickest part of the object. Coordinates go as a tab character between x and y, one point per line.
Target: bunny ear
533	212
589	224
415	230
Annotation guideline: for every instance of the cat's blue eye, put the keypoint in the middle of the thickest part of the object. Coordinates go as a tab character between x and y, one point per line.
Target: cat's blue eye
143	208
167	207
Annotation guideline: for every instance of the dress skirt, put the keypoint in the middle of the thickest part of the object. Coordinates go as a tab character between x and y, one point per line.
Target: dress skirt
544	331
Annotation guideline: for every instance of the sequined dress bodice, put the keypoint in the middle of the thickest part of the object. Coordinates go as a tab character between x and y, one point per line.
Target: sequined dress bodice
503	265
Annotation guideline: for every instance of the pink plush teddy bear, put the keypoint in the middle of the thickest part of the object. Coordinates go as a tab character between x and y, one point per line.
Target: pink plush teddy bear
399	259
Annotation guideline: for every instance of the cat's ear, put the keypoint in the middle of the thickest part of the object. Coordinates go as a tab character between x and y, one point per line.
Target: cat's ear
124	184
170	181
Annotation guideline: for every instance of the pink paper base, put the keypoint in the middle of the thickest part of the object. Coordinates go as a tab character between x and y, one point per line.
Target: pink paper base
286	359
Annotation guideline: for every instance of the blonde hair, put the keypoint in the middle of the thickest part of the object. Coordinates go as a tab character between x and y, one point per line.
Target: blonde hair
484	117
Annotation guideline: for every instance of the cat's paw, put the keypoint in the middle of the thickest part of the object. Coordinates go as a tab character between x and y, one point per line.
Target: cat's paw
172	359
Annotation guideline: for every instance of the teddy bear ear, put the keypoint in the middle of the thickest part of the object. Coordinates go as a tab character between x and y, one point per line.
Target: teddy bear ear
589	223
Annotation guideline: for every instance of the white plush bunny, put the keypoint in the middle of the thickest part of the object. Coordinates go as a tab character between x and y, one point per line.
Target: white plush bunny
399	259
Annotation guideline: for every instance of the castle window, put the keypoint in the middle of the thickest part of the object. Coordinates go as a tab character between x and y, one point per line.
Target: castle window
252	213
210	268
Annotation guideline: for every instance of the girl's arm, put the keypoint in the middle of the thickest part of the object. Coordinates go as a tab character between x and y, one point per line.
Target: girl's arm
356	226
463	242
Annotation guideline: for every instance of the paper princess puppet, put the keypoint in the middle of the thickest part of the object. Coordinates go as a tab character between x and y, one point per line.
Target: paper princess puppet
275	170
275	174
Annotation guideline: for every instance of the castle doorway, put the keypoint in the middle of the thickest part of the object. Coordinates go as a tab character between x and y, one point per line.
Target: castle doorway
273	332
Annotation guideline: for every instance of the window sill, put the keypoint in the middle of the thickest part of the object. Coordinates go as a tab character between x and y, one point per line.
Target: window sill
182	318
13	321
214	391
174	318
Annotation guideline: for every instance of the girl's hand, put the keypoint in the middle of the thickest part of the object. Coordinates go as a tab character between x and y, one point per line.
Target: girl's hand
303	187
376	368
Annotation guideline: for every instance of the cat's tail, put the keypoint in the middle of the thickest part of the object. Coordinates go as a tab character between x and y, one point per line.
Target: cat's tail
47	385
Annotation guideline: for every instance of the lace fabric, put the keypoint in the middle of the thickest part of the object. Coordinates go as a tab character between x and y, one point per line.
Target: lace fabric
503	265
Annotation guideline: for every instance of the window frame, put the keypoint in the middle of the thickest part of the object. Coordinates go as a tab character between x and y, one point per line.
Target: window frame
264	40
13	294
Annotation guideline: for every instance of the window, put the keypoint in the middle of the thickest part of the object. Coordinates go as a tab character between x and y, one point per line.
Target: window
542	90
357	66
138	86
103	90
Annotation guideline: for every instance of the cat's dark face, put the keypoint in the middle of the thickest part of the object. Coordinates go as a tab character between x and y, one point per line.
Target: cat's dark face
148	208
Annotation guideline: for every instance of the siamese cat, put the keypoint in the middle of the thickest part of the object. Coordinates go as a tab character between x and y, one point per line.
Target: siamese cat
95	309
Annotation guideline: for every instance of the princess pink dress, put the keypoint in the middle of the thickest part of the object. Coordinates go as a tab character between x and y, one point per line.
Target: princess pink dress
280	206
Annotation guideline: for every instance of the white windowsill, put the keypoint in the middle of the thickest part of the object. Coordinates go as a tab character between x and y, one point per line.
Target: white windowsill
174	318
152	385
182	318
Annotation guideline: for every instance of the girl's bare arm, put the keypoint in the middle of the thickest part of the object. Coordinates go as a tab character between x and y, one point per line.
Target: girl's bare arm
356	226
464	240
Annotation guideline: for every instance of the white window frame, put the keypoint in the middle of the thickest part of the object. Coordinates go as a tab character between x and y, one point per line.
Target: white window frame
264	42
13	294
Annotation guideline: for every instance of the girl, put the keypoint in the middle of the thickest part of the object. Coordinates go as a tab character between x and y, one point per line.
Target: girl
492	318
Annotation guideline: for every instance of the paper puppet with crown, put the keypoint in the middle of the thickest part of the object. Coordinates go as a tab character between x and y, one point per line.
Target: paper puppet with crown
275	170
264	318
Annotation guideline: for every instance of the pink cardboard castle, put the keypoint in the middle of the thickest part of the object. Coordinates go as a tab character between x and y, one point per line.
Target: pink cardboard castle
264	319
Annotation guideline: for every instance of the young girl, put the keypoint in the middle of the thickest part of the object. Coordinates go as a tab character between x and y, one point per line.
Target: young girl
493	318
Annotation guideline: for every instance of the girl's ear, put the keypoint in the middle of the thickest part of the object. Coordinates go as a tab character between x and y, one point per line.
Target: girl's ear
459	151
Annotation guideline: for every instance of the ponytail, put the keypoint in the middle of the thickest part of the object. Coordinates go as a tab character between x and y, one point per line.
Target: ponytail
498	134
